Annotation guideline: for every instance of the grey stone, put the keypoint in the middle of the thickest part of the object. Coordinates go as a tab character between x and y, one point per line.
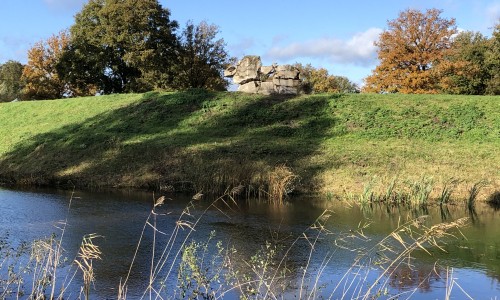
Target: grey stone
266	88
255	78
267	70
251	87
287	90
286	82
247	70
287	72
230	71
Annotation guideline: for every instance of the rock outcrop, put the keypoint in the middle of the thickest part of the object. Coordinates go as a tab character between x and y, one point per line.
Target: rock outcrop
254	78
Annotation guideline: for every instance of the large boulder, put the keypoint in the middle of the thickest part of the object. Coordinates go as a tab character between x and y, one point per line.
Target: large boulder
286	82
247	70
267	70
258	87
267	88
286	90
287	72
230	71
251	87
254	78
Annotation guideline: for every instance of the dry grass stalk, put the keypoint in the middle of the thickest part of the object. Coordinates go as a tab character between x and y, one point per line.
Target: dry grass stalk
395	251
86	255
282	181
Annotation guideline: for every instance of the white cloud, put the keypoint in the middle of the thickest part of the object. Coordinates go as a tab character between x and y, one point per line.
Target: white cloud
358	50
493	12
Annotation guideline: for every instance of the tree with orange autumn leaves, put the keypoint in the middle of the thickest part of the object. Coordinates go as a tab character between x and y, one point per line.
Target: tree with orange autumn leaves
40	74
409	49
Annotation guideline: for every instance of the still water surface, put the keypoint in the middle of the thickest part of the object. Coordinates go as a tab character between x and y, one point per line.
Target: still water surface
119	217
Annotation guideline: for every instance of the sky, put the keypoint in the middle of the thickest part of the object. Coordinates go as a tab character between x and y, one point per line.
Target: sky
336	35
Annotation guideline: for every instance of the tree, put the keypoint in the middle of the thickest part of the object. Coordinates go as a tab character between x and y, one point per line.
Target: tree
202	58
344	85
11	85
493	63
40	74
121	46
408	50
316	80
463	69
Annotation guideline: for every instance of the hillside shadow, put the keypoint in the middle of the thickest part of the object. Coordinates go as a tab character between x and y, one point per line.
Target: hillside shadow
168	140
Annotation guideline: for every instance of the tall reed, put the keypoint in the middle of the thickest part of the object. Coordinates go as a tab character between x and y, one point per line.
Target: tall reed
87	253
282	181
473	193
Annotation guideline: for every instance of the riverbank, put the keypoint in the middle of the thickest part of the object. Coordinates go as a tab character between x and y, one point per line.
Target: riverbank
197	140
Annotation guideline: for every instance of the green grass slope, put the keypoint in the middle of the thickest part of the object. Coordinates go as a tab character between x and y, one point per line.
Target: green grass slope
199	140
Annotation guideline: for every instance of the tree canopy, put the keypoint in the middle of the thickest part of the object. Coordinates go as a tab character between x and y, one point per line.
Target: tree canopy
40	74
493	62
409	49
202	58
121	46
10	80
318	80
463	69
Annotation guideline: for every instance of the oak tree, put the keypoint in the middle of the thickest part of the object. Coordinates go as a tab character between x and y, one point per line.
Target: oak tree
121	46
40	74
408	50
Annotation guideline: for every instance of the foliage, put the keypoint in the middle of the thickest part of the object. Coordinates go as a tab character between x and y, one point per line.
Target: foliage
10	80
40	74
493	63
121	46
316	80
202	58
201	272
408	50
464	69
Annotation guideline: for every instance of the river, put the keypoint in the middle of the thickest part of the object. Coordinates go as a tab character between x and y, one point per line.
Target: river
467	264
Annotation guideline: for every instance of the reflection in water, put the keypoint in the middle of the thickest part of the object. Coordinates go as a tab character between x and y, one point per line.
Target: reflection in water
349	240
423	277
445	213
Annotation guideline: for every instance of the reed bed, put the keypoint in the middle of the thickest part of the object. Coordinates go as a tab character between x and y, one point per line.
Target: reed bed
417	192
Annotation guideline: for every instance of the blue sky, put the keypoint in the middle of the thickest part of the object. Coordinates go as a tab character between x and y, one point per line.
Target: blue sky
336	35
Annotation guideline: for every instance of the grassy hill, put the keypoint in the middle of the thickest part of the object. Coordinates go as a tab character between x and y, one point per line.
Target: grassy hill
199	140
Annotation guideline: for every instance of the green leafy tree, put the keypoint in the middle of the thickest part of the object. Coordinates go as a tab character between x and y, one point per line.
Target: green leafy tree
408	50
493	63
202	58
11	85
317	80
121	46
463	69
344	85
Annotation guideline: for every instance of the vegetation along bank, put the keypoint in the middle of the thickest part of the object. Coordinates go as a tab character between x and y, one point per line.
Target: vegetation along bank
198	140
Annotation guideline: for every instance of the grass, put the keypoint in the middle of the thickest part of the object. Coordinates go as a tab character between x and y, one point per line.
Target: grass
197	140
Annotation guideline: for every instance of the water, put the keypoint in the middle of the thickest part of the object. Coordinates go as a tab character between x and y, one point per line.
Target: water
473	260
